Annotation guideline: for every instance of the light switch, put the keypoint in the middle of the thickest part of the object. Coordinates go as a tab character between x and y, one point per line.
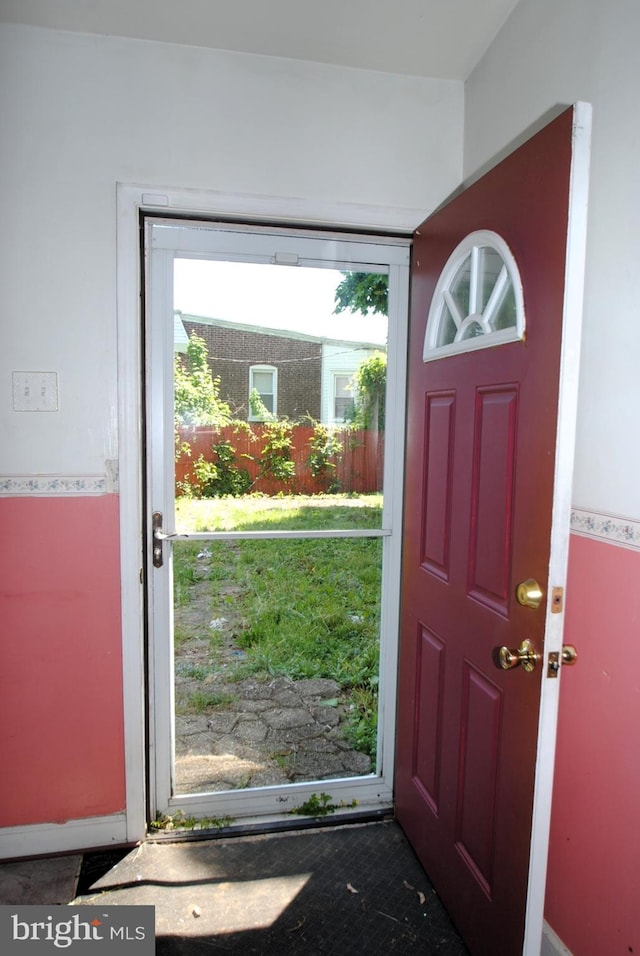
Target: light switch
35	391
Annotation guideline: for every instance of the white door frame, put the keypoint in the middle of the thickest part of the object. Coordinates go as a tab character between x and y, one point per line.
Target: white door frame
575	259
131	201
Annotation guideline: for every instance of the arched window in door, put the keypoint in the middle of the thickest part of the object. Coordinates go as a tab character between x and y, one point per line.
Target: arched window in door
478	299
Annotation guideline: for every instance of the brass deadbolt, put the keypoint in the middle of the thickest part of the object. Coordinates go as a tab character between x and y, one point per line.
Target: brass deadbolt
529	593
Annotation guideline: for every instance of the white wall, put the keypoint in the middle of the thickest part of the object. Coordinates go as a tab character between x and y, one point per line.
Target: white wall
560	51
79	113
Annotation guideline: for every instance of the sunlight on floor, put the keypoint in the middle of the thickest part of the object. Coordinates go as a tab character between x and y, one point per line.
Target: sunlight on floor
228	907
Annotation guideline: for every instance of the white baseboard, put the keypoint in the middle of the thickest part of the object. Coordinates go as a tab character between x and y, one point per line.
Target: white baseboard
552	945
42	839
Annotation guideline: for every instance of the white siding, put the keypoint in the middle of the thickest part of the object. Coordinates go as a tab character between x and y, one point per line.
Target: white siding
338	360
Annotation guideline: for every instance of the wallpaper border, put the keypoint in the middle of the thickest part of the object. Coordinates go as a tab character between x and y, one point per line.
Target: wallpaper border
606	527
52	485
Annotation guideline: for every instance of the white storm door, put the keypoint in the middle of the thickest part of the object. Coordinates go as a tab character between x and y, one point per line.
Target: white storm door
165	242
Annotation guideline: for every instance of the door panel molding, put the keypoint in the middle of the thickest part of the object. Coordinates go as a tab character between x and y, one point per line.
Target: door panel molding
480	738
427	751
440	417
492	495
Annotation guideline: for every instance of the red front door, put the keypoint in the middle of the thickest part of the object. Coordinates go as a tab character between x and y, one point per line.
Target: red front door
479	497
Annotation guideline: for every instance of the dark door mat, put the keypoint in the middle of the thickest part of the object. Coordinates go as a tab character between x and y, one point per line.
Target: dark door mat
344	890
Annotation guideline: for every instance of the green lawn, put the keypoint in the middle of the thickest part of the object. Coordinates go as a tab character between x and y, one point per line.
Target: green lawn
287	513
306	608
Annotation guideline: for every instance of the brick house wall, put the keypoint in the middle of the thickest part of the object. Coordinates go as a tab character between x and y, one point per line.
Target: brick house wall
233	351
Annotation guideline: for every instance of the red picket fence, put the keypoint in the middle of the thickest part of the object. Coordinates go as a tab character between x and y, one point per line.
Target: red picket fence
358	466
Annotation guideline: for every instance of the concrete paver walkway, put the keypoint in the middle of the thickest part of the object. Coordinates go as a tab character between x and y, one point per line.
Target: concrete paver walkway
269	733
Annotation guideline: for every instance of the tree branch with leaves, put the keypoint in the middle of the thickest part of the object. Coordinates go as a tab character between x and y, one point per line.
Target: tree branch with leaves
363	292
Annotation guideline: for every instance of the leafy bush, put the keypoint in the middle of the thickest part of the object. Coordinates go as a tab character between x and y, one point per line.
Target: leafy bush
222	476
370	383
196	392
259	411
325	451
275	461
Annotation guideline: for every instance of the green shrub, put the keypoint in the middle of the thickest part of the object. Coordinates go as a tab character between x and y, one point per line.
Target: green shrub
275	461
324	456
222	476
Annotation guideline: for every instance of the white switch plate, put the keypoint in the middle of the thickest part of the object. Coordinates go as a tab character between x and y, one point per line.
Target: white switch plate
35	391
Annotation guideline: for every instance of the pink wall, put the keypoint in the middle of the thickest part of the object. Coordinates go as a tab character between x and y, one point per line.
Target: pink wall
593	892
61	726
61	721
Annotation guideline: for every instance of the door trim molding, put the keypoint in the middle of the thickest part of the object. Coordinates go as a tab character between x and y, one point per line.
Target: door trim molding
575	258
287	211
128	292
131	201
40	839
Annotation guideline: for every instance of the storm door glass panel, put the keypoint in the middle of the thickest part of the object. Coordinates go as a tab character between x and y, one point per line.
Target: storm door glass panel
276	661
277	568
275	328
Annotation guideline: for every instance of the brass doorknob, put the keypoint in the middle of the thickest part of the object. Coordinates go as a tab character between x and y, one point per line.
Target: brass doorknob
529	593
569	654
525	657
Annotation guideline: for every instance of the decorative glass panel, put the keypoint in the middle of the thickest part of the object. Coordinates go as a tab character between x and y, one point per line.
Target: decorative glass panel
478	299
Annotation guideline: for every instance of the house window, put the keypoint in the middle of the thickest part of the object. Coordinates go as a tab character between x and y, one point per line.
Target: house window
263	380
342	398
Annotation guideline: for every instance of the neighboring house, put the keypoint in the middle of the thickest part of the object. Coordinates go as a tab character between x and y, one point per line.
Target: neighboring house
296	375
